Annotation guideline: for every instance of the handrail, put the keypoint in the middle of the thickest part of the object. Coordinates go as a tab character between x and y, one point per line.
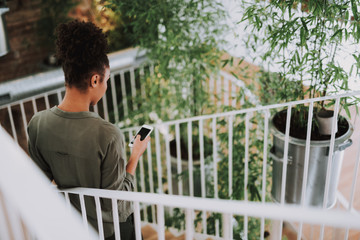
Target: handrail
30	200
25	87
335	218
248	110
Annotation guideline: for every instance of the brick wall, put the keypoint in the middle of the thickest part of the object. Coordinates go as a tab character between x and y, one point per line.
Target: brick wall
26	54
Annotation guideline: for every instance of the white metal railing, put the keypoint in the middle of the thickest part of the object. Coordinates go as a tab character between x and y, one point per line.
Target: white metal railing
160	162
208	176
127	73
30	208
228	208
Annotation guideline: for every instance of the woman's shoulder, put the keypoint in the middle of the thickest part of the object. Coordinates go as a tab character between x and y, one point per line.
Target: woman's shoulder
110	129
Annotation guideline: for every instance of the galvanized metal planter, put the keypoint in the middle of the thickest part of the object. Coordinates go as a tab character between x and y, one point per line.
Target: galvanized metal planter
317	170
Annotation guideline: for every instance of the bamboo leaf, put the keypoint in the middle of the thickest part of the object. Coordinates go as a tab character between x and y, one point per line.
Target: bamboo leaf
346	108
336	33
304	25
354	10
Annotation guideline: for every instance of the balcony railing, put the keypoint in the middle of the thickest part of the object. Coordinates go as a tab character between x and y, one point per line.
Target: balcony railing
30	208
22	98
227	208
33	210
233	171
159	169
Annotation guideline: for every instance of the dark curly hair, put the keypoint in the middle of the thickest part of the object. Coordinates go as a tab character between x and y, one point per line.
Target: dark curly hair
81	47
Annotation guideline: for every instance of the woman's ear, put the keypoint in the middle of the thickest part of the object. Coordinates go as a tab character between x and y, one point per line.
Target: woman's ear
94	81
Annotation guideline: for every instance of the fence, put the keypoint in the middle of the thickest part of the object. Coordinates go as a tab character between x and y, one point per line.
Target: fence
227	157
21	99
227	208
234	163
29	207
229	211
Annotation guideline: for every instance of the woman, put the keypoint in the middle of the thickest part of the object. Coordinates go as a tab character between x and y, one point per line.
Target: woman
75	147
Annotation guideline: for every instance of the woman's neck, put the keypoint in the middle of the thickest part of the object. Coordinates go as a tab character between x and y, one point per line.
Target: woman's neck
75	101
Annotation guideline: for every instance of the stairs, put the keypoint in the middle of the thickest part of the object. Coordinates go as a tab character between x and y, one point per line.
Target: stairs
149	233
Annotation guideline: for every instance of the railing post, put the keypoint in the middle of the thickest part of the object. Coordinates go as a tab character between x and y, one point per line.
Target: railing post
116	218
285	162
330	159
216	195
137	220
114	98
158	160
12	123
151	177
99	218
178	159
83	211
191	175
230	146
168	163
160	222
263	191
202	171
227	226
189	224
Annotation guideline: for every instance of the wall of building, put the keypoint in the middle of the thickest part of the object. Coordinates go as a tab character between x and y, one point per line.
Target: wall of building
26	54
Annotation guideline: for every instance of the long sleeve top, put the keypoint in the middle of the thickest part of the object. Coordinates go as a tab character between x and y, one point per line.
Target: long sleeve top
80	149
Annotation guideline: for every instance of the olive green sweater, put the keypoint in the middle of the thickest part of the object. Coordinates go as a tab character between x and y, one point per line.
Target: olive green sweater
80	149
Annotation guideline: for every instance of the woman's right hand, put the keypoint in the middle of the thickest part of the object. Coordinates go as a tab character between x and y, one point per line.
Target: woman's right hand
137	150
139	146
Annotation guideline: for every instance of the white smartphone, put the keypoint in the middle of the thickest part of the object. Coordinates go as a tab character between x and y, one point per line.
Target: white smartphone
144	131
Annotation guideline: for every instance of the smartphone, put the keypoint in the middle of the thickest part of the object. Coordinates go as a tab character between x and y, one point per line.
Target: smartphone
144	131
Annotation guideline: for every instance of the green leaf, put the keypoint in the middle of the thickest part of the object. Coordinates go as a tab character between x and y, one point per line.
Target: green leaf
346	108
225	62
354	10
336	33
304	24
241	61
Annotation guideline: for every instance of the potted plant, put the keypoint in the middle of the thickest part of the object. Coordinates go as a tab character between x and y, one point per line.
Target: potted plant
306	39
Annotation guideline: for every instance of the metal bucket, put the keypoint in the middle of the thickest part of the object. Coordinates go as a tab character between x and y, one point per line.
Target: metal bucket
318	162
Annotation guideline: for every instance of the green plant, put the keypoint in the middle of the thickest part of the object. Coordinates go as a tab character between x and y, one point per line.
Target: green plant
113	24
53	12
181	40
306	39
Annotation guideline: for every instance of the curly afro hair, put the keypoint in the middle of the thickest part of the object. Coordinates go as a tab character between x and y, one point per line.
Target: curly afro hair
81	47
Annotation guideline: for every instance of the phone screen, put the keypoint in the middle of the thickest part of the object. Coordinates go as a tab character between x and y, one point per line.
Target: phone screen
143	132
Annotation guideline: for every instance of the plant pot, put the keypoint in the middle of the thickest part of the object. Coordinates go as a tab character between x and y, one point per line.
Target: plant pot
185	168
185	177
325	119
318	162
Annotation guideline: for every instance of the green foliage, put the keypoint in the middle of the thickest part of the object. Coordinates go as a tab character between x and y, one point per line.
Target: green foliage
115	25
255	159
306	42
274	88
177	220
181	40
117	37
53	12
